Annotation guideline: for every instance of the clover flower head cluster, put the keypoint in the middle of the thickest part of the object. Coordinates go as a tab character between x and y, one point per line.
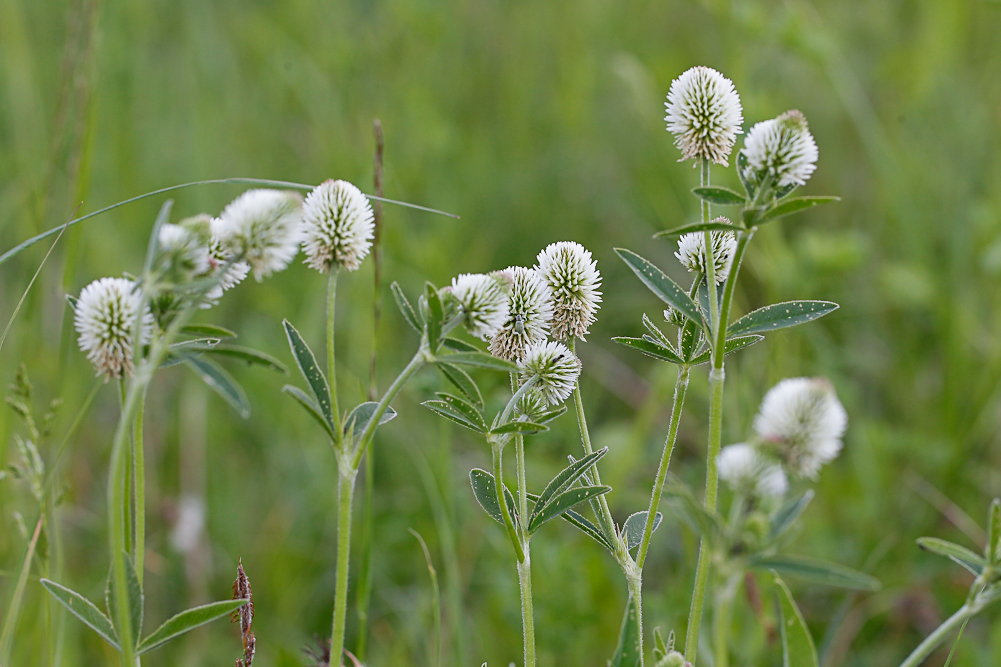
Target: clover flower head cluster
692	251
105	319
484	303
704	114
781	149
530	310
338	226
183	251
555	368
802	421
263	227
747	470
573	279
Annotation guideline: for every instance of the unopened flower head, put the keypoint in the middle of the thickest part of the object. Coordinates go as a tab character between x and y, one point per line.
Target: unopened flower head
555	367
704	113
182	251
530	309
338	226
105	319
673	316
746	470
263	227
533	404
574	280
484	303
803	421
692	251
781	148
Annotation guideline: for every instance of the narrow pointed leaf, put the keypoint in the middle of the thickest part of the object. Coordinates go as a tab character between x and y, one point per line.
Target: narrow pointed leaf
443	409
633	527
798	649
85	610
220	381
817	571
463	406
691	334
516	426
959	554
435	316
249	356
311	372
480	360
578	521
459	345
462	382
655	331
657	282
699	227
795	205
207	331
358	419
405	308
991	553
486	494
188	620
717	195
550	415
731	345
136	599
563	502
627	652
565	479
780	316
650	349
307	402
742	174
786	515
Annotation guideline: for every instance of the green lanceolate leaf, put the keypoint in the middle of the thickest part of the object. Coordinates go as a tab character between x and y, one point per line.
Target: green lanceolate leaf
136	599
578	521
795	205
446	410
655	331
627	652
563	502
650	349
657	282
798	649
991	553
405	308
465	407
486	494
459	345
436	315
462	382
565	479
85	610
307	402
220	381
732	345
960	555
207	331
700	227
550	415
690	336
358	419
742	175
480	360
786	515
780	316
632	529
188	620
817	571
717	195
311	372
516	426
249	356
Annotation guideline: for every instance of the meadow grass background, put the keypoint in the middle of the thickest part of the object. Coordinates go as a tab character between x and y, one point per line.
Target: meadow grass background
536	122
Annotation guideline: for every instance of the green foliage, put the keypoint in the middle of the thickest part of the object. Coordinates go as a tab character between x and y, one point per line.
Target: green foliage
798	649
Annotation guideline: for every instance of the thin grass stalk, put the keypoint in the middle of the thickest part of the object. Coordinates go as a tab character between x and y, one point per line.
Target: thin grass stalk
17	597
436	596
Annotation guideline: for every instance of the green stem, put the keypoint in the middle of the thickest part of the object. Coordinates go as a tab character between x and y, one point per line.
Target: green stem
496	451
721	621
680	387
519	457
331	361
940	634
345	495
527	614
415	364
743	238
139	475
117	544
364	594
714	314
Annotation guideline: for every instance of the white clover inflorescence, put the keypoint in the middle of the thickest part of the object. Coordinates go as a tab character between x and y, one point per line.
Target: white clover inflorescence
803	421
704	114
105	319
573	279
182	251
338	226
746	470
530	310
484	303
692	251
262	227
555	368
781	148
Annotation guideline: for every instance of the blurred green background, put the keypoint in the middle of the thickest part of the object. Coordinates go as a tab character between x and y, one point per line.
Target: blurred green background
536	122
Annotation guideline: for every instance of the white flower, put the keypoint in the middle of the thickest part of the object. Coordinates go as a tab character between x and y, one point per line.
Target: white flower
692	251
338	226
262	226
803	421
574	280
105	319
781	148
229	275
745	470
556	368
483	302
703	112
530	309
182	250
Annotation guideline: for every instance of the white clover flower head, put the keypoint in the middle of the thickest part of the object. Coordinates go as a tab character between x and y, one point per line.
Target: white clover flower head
530	310
263	227
483	301
183	251
338	226
574	280
803	421
555	367
533	404
692	251
781	148
747	470
704	114
105	319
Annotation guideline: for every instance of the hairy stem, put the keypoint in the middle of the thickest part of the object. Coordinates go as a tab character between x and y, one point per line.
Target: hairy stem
331	361
496	450
940	634
721	620
139	475
714	314
527	614
345	495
